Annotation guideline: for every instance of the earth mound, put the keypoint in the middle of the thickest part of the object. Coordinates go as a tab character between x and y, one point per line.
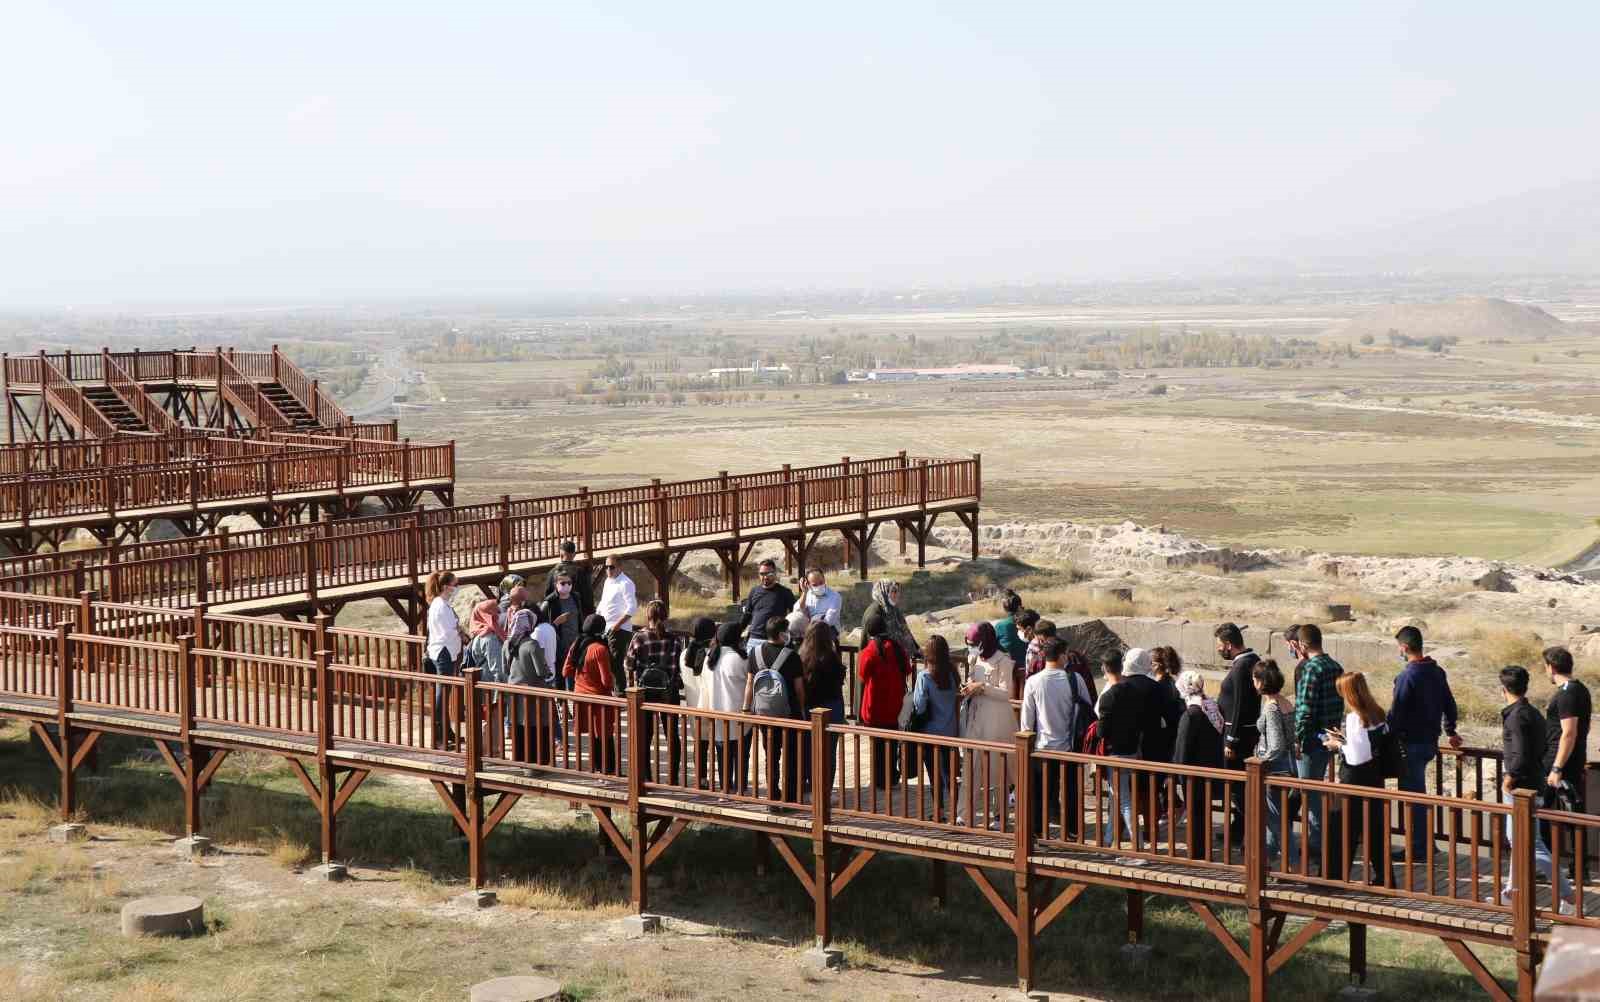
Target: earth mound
1468	319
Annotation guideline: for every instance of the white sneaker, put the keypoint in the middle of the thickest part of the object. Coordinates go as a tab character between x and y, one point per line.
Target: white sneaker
1567	908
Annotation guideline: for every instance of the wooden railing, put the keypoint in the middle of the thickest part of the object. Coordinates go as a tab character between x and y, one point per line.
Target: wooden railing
280	370
299	560
232	469
132	393
62	396
242	392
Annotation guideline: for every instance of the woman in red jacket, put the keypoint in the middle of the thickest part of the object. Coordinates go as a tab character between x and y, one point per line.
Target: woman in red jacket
884	668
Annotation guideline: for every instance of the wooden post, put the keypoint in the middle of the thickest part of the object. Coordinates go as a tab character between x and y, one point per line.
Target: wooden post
69	785
413	573
201	584
639	887
504	530
800	544
224	561
405	463
474	763
866	510
194	488
821	809
1019	859
1524	900
109	486
324	706
586	522
275	378
316	406
309	555
736	563
113	576
922	518
1255	874
191	767
1135	914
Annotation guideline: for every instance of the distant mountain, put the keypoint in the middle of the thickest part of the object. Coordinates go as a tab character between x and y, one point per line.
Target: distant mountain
1554	230
1468	319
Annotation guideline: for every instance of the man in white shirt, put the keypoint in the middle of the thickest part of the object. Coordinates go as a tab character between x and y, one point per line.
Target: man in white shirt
618	603
1051	701
820	603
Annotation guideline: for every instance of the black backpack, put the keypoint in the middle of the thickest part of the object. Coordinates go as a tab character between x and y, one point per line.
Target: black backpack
658	678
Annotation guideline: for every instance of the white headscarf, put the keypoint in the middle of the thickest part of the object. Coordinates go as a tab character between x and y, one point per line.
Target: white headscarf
1192	687
1137	662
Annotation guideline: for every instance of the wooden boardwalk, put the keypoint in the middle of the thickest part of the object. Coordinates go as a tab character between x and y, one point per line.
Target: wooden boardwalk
304	569
339	706
115	488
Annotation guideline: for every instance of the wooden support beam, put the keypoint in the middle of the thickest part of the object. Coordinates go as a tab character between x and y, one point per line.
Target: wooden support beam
1007	914
213	761
1475	967
299	770
49	744
609	827
90	739
664	839
787	855
173	765
842	879
1279	955
497	814
1050	912
1222	935
352	782
456	814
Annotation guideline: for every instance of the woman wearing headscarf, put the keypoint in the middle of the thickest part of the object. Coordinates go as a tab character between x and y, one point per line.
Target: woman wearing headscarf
986	716
884	668
1199	742
886	603
488	630
589	667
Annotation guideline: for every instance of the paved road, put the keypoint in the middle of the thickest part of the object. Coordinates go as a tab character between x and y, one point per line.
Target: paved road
374	401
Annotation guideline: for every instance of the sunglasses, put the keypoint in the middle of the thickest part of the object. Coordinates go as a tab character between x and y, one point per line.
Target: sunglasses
612	567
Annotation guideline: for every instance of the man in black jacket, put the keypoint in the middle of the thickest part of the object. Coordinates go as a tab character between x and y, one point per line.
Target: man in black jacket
578	572
1241	708
1523	739
1130	709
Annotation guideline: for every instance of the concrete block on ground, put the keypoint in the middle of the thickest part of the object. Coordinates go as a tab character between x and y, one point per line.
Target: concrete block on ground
477	899
1358	993
1137	953
166	915
641	925
517	988
193	847
330	872
823	958
1030	995
69	833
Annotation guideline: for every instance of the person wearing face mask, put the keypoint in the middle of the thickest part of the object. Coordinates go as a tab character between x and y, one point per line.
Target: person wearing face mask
820	603
575	571
564	612
443	655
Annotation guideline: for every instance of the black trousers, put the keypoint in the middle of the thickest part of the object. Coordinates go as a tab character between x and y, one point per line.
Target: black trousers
1045	790
647	729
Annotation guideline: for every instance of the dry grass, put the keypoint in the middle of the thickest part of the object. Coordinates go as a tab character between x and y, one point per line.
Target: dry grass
289	852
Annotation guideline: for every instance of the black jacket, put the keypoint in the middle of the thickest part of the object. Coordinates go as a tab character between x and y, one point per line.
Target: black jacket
1522	735
1199	743
762	604
1240	705
582	584
1129	711
1162	713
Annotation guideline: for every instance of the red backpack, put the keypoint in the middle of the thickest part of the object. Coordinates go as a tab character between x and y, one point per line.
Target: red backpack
1093	743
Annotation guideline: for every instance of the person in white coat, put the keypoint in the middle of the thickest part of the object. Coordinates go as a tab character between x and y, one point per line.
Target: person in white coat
729	670
986	716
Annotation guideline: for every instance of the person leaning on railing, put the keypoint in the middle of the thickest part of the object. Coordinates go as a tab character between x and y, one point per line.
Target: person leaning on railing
1275	748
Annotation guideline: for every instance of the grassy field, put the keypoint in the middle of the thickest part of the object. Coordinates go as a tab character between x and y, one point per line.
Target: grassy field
390	933
1387	454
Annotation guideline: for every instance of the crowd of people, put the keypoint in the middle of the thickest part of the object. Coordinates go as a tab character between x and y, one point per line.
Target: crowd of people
780	657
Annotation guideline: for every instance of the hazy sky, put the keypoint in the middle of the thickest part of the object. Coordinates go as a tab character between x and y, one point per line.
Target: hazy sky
290	151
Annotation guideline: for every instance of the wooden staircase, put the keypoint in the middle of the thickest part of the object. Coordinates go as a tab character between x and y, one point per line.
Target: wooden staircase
288	405
111	406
